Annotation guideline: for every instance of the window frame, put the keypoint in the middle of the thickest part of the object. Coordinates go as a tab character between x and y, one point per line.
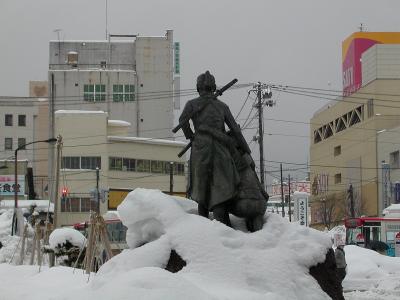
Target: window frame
394	159
94	92
22	120
338	178
337	150
123	92
21	143
8	120
8	141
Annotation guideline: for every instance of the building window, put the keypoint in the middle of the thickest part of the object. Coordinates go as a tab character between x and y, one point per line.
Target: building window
338	178
84	162
88	204
70	204
115	163
370	107
77	204
8	143
123	92
90	162
337	150
128	164
94	92
70	162
21	143
22	120
143	165
8	120
394	160
179	168
157	166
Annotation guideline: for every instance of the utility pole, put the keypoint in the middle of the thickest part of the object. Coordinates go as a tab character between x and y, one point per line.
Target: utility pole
56	188
282	195
171	177
290	209
260	133
97	189
351	200
262	91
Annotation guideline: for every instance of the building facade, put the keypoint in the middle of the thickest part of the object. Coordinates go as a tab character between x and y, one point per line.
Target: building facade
90	140
24	121
389	163
345	133
131	80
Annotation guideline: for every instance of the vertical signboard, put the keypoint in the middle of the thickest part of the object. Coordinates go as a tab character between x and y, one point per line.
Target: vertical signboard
385	185
397	244
7	185
177	58
302	211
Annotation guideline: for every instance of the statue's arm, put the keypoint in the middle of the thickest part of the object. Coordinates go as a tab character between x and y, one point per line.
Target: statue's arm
184	118
237	133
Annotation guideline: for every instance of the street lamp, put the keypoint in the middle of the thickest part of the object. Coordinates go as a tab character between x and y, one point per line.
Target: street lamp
16	189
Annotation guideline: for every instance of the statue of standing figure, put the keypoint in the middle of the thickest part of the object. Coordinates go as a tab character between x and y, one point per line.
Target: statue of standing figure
222	175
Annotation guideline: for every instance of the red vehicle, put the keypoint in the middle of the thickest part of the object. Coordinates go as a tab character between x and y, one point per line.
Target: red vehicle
364	230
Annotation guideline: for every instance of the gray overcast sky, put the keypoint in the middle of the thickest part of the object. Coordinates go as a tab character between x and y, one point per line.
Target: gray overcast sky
280	42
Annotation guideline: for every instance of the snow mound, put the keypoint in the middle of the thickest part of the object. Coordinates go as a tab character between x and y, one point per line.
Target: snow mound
60	236
272	263
370	271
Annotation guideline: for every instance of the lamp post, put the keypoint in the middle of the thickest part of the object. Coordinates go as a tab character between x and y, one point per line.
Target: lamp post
16	189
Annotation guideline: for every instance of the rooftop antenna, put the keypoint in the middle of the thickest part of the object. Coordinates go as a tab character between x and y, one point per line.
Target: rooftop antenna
106	19
57	31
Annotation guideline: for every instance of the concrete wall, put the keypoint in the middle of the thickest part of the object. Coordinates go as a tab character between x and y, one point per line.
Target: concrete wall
70	92
389	142
27	108
381	61
85	134
146	62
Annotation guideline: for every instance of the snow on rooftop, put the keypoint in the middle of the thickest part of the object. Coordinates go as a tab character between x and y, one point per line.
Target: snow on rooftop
147	140
80	112
118	123
41	205
392	211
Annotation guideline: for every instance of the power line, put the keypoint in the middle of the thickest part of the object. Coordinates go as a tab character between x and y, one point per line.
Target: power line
310	94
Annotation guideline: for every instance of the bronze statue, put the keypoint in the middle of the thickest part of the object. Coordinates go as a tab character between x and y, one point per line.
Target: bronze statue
222	179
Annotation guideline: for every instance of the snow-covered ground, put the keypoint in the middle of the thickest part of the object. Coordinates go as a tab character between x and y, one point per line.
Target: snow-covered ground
222	263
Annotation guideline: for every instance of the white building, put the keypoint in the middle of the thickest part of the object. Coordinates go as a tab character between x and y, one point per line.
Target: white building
90	140
388	147
131	80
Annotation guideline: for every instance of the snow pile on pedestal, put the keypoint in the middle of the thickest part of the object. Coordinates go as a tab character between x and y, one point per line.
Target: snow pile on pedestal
222	263
61	236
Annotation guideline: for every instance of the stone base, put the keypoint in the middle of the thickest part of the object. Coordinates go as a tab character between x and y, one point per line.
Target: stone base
325	274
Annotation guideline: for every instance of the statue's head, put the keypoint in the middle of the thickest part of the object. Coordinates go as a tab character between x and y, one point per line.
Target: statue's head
206	83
